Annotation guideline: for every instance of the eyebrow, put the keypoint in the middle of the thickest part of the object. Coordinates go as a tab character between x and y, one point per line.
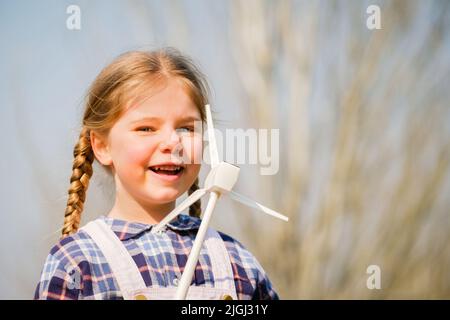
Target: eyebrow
183	119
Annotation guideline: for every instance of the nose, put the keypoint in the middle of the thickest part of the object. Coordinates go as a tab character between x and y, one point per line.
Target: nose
171	143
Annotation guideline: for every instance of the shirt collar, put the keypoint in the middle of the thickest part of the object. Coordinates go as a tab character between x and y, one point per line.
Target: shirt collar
127	229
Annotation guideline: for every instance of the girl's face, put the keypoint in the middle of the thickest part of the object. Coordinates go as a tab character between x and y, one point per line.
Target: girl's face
154	151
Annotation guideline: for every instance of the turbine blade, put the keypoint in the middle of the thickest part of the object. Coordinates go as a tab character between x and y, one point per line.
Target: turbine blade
251	203
213	153
181	207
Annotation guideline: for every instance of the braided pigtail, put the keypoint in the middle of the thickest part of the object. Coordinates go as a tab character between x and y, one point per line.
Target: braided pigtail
195	210
81	173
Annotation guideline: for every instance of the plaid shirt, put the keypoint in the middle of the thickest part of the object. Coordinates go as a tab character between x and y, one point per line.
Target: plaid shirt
77	269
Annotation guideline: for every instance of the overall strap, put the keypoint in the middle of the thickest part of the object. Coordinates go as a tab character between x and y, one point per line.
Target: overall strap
221	263
119	259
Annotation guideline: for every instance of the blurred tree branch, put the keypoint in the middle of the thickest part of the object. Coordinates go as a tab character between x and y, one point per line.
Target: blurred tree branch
390	113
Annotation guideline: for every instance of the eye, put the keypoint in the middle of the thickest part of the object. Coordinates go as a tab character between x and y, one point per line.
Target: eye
185	129
145	129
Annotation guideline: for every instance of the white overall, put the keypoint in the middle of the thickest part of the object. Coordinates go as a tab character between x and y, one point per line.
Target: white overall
131	283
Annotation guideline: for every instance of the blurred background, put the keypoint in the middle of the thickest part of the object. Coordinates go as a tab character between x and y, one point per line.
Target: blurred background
363	116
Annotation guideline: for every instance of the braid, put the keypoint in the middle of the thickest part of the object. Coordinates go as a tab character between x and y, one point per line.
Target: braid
195	210
81	173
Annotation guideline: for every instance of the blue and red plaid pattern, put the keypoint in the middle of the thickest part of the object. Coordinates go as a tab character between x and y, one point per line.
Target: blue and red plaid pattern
77	269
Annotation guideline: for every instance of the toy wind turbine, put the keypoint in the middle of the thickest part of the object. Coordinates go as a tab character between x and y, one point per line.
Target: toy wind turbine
220	181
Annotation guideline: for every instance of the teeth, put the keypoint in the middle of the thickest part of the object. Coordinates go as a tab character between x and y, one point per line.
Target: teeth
169	168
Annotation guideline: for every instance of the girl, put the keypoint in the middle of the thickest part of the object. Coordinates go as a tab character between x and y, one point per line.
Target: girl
141	111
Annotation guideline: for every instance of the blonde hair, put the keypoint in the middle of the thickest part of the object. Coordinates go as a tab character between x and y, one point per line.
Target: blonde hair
106	100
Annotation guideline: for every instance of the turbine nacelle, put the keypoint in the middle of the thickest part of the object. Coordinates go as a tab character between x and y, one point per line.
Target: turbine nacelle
222	178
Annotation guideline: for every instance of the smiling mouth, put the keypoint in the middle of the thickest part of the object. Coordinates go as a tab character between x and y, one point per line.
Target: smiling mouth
167	170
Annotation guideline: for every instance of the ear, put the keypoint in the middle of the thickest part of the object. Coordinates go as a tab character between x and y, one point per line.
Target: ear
101	149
